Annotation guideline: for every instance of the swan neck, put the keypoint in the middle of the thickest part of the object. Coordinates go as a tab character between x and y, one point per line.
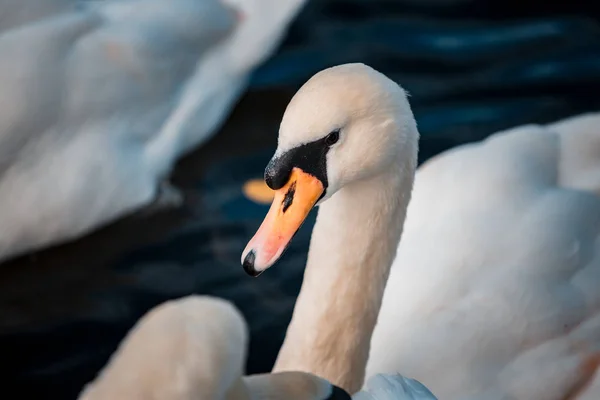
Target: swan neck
352	247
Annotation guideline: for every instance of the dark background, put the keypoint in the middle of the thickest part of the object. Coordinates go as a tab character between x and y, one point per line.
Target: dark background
471	67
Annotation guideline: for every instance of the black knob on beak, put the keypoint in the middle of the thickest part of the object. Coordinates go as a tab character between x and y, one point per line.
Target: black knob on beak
278	172
311	158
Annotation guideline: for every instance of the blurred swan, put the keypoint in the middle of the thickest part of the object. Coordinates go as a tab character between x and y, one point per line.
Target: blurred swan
497	277
100	98
195	349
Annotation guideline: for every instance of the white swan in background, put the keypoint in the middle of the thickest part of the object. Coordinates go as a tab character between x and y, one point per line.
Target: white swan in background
100	98
500	254
495	289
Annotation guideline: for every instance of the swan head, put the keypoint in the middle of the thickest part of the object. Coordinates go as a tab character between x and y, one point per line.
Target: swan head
345	124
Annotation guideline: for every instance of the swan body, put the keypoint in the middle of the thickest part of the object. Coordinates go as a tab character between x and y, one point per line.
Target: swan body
498	270
100	98
174	352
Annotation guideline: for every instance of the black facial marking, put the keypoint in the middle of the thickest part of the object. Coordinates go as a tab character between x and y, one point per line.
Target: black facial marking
248	264
338	393
310	158
289	197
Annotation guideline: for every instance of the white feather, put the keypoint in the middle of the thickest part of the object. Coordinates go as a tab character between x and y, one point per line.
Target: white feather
100	98
500	256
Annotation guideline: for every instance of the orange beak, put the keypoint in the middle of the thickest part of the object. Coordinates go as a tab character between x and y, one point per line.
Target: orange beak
289	209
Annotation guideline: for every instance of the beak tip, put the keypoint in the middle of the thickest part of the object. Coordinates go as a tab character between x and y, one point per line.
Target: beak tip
248	264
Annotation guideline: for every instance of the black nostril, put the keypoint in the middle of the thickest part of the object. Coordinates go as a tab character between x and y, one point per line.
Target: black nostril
278	172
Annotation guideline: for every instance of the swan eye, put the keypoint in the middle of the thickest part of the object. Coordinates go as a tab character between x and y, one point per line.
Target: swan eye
332	138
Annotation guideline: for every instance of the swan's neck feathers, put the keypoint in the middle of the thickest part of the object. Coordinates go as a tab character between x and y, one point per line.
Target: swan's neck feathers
352	248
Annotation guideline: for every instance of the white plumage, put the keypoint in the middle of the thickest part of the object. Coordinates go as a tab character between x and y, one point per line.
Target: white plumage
100	98
494	291
194	348
496	279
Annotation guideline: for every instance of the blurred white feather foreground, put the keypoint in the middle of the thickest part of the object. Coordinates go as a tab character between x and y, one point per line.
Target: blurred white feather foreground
100	98
195	349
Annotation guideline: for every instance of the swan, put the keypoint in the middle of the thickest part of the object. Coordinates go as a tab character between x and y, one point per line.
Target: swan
100	98
194	348
348	143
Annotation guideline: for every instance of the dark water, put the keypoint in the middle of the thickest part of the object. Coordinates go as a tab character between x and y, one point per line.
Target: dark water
472	67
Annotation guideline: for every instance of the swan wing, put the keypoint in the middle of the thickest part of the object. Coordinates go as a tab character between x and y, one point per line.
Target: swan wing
500	254
562	368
